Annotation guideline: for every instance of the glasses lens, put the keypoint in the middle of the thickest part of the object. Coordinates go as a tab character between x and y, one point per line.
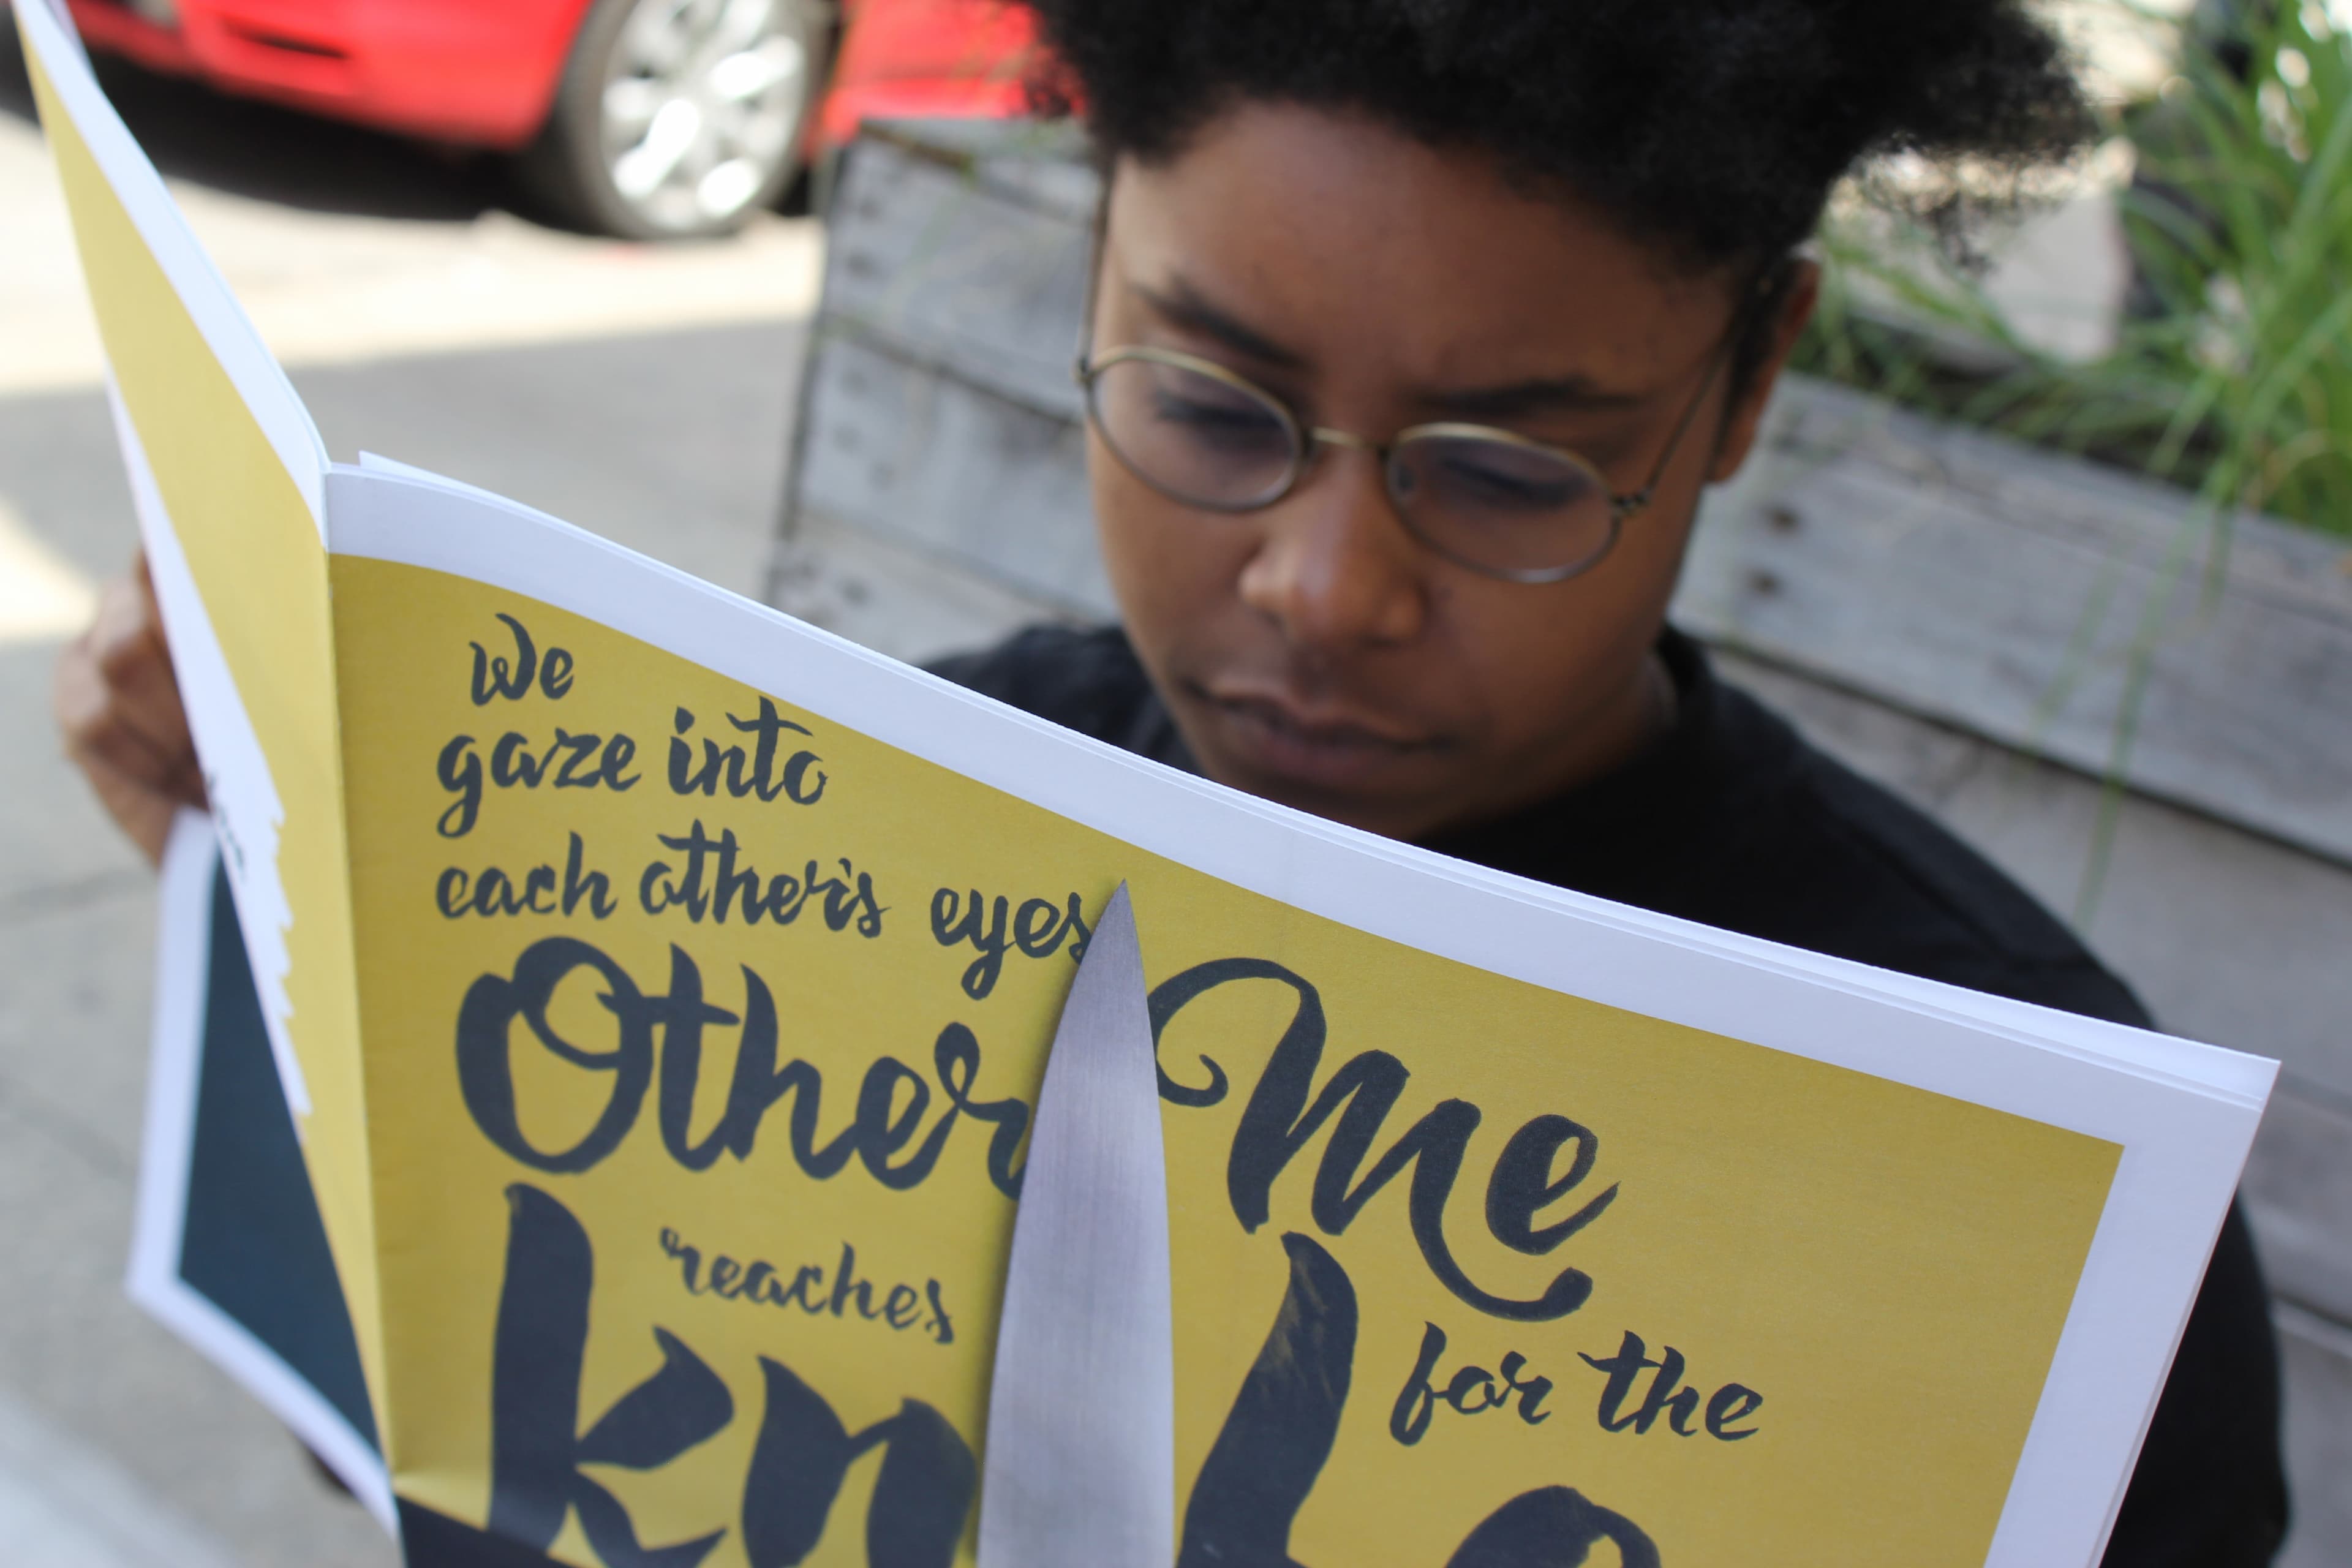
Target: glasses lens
1499	505
1193	436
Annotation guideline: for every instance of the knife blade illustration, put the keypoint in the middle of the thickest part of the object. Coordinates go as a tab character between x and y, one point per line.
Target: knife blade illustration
1079	1469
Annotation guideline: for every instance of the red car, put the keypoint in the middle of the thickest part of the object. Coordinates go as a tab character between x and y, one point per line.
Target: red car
648	119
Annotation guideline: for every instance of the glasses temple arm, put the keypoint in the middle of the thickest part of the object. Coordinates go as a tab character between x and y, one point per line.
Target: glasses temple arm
1097	227
1626	505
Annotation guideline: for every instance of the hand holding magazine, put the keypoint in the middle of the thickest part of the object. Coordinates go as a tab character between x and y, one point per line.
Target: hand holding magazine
656	993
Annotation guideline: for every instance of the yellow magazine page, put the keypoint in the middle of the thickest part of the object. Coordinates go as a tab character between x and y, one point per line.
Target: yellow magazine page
229	481
704	1021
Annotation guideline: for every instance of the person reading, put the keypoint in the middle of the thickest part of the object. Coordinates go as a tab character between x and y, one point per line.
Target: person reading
1418	327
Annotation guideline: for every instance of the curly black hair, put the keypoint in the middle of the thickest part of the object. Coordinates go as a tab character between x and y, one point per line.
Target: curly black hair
1716	128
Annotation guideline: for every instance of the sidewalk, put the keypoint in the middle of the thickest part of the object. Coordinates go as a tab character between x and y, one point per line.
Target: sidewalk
63	1505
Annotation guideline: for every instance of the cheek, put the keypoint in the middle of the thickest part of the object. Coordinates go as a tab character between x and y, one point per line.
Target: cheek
1543	659
1173	569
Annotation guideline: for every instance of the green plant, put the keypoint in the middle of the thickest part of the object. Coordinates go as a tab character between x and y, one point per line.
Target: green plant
2232	375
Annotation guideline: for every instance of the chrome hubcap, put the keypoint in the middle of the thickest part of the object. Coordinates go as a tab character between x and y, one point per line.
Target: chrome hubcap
701	105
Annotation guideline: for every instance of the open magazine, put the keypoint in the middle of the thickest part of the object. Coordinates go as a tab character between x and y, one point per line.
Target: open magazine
594	1075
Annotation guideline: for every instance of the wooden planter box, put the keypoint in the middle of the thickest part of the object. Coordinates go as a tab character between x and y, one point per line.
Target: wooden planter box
1951	612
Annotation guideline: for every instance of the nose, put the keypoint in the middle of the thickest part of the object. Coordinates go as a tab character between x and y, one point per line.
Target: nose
1335	570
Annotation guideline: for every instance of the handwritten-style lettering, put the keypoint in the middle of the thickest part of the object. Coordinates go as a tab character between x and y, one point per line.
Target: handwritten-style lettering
715	881
764	1284
800	1459
1262	1469
658	1037
755	772
1037	929
494	676
1286	1111
1471	1391
492	891
517	762
1665	1394
538	1453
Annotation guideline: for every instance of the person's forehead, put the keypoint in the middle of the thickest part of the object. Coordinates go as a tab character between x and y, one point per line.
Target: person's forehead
1333	235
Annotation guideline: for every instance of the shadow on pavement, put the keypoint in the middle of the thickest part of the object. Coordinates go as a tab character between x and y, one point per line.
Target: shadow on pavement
252	148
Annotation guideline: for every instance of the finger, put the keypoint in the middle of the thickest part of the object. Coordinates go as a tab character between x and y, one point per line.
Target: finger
144	815
127	641
92	723
171	727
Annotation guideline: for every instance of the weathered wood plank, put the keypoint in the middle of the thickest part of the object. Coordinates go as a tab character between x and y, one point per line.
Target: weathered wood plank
2009	592
927	461
2316	1367
972	263
2298	1192
904	601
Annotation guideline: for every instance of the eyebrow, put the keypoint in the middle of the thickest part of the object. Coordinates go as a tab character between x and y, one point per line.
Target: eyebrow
1183	305
1519	399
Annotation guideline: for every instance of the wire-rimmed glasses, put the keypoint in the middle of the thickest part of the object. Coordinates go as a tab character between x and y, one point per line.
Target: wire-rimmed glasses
1495	502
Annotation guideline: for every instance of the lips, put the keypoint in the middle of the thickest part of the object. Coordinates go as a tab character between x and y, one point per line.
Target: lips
1317	747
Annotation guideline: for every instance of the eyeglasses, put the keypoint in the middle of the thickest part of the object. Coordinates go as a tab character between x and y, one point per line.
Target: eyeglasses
1493	502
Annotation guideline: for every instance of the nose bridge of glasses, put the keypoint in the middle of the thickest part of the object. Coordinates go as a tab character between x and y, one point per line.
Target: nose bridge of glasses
1388	504
1324	435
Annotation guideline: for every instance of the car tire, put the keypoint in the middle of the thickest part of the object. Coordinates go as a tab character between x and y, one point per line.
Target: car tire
677	118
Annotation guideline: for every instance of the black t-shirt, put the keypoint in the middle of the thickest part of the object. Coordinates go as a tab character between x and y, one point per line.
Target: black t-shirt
1731	819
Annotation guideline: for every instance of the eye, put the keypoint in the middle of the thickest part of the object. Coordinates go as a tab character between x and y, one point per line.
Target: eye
1497	485
1212	412
1193	434
1474	476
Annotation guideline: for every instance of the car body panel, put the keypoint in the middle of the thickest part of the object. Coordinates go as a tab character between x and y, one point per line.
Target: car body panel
483	75
927	59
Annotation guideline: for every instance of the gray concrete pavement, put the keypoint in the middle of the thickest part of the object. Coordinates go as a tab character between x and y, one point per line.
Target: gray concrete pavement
67	1505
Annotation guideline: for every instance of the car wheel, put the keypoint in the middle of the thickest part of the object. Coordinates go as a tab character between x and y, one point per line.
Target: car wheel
677	118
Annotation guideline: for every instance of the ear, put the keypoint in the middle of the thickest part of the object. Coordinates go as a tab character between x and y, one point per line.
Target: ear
1746	414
